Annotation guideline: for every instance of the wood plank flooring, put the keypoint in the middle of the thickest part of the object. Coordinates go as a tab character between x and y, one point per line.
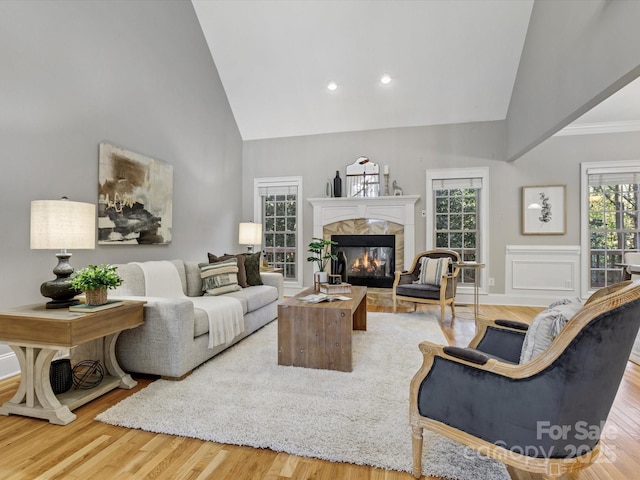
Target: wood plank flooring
35	449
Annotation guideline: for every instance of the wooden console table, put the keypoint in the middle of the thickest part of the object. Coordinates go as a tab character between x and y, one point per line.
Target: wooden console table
36	334
318	335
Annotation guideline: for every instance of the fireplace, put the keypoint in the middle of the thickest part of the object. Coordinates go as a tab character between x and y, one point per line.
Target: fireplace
370	258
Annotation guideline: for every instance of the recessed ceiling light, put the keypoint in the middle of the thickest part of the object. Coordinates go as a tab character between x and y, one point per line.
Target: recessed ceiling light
332	86
385	79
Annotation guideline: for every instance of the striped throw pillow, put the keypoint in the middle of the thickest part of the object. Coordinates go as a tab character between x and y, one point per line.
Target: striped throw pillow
432	270
220	277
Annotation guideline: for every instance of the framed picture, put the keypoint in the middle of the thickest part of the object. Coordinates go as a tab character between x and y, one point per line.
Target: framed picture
135	198
544	210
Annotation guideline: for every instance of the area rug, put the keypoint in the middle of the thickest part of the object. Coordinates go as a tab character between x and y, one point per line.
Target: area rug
243	397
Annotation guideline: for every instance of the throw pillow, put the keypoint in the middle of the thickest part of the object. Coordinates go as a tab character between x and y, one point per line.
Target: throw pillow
252	267
432	270
546	327
242	274
220	277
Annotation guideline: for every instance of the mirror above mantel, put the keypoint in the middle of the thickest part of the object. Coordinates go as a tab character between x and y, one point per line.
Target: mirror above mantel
363	178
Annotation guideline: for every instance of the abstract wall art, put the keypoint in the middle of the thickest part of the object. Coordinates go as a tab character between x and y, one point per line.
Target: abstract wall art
135	198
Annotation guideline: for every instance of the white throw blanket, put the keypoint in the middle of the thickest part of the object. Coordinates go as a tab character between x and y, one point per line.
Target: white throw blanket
225	313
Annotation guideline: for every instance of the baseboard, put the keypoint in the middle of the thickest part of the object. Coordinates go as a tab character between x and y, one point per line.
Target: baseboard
516	300
9	365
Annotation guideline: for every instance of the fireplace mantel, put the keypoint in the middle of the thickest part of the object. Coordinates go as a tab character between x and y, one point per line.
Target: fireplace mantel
399	209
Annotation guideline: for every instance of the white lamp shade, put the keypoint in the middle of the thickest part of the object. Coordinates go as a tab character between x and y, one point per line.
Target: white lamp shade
62	224
250	234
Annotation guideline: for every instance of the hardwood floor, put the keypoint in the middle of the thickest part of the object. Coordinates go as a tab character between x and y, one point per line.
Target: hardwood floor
31	449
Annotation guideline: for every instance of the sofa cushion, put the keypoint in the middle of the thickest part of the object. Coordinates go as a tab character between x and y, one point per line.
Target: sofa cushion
432	270
546	326
242	273
132	281
194	279
256	297
252	267
220	277
200	322
431	292
179	264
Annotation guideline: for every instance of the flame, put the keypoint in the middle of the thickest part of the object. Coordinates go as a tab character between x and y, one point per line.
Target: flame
365	264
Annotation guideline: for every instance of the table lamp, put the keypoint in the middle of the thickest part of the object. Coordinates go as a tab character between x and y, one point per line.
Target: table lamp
62	224
250	234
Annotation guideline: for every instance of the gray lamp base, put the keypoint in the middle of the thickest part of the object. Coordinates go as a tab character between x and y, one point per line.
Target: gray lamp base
60	290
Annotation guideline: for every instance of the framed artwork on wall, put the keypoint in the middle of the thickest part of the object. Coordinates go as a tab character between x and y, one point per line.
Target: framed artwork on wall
135	198
544	210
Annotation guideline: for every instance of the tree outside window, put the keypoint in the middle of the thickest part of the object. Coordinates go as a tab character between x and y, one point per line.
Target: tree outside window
613	228
456	225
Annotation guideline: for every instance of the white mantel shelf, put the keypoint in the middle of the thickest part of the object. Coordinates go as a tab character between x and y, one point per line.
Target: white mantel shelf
399	209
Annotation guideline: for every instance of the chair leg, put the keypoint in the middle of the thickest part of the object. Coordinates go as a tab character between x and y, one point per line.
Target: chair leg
442	312
453	311
416	442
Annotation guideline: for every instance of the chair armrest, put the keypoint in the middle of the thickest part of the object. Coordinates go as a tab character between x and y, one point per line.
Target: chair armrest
512	324
468	354
402	277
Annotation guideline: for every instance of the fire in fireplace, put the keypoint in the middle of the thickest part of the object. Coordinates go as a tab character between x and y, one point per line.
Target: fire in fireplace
370	259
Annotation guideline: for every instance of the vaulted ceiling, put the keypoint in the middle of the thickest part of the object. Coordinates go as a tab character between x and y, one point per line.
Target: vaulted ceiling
449	61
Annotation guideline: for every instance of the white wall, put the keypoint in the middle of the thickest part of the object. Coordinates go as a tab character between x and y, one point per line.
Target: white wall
136	74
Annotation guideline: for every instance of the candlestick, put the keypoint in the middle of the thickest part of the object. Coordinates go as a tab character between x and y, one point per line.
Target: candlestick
386	169
386	183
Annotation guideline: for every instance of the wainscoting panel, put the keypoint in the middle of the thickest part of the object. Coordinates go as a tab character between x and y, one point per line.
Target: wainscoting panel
534	270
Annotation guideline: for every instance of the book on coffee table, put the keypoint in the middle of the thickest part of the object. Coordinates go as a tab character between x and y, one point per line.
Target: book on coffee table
338	288
322	297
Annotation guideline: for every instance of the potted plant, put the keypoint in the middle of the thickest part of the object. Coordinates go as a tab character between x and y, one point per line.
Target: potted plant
94	281
321	255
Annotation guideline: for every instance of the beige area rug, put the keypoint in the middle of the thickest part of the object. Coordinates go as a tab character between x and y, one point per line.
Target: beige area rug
243	397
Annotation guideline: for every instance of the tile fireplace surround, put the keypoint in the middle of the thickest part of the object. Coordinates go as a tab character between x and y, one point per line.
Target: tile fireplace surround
369	216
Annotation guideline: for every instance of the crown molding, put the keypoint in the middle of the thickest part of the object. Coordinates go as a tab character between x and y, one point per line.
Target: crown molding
597	128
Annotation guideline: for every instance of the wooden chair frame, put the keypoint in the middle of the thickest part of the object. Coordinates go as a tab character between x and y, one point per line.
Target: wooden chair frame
550	468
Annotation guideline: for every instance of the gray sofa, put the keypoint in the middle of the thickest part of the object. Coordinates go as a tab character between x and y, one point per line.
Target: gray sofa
174	337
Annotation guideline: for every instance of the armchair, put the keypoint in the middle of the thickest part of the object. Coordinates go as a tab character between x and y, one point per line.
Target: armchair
405	286
544	416
632	269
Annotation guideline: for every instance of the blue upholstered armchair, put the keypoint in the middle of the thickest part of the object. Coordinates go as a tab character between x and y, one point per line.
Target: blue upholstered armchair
544	415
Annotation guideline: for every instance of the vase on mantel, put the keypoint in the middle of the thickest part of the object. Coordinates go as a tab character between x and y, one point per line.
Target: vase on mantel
337	185
96	297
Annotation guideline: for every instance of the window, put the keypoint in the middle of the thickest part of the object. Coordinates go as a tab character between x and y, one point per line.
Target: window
611	192
277	207
456	200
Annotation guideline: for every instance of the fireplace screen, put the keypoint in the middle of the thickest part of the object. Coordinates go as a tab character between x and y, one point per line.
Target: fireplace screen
370	259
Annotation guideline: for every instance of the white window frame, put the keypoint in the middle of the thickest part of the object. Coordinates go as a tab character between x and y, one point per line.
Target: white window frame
453	173
586	169
288	181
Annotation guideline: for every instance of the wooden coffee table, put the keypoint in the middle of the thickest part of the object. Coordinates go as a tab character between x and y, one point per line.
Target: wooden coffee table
318	335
